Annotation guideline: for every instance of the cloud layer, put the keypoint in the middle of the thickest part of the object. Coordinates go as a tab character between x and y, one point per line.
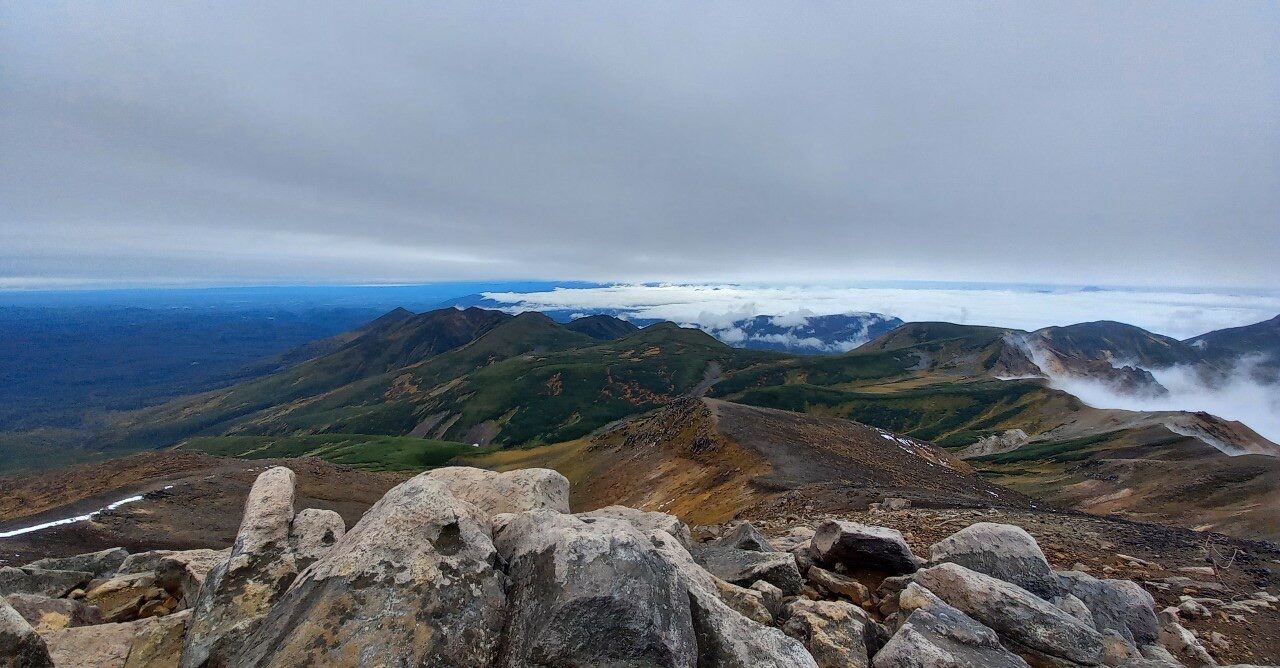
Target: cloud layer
1117	143
1172	313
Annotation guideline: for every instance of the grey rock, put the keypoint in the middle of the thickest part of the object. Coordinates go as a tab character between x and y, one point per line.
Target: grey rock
511	492
47	614
1003	551
1073	606
413	583
1118	605
725	638
20	646
100	564
183	572
590	592
312	533
771	595
645	522
940	636
1014	613
238	592
54	584
857	547
1182	643
834	632
745	536
795	537
743	567
748	602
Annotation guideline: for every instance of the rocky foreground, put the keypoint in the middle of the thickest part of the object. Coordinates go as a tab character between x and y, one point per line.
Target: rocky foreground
466	567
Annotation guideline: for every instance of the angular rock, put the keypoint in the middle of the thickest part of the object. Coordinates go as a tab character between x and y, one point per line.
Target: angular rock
645	522
745	536
157	642
47	614
100	564
1182	643
834	632
725	638
748	602
888	592
743	567
120	598
1118	605
183	572
795	537
54	584
313	532
101	646
771	596
511	492
1014	613
858	546
20	646
413	583
838	584
1003	551
590	592
940	636
238	592
915	597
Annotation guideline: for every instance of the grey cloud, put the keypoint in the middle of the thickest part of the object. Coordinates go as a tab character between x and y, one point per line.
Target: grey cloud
1060	142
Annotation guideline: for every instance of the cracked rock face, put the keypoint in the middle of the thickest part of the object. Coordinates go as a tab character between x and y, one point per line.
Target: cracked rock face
413	583
238	592
20	647
590	592
511	492
940	636
1002	551
1014	613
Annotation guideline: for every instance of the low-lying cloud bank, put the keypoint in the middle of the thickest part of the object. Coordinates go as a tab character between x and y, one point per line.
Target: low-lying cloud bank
1180	314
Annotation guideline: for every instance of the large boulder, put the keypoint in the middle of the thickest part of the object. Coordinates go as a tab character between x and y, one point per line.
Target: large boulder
144	643
590	591
54	584
20	646
48	614
100	564
413	583
312	533
940	636
1116	605
646	522
511	492
861	547
834	632
1002	551
238	592
726	638
1014	613
743	567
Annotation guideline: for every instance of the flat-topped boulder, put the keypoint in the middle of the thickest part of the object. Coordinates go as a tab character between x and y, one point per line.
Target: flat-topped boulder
859	547
645	521
101	564
1002	551
744	567
41	582
511	492
940	636
48	614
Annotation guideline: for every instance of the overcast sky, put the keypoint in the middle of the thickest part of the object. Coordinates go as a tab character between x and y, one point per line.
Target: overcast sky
1128	143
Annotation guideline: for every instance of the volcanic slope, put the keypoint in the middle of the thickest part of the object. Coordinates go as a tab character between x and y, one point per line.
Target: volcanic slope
707	461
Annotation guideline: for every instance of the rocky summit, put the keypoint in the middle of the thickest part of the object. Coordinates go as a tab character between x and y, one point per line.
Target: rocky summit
468	567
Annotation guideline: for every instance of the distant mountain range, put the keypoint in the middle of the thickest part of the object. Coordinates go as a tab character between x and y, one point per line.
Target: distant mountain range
493	380
795	333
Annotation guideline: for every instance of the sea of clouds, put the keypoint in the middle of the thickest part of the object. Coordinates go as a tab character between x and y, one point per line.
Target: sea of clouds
1180	314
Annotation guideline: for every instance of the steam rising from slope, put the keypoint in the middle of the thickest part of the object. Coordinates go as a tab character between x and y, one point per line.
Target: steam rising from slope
1246	393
